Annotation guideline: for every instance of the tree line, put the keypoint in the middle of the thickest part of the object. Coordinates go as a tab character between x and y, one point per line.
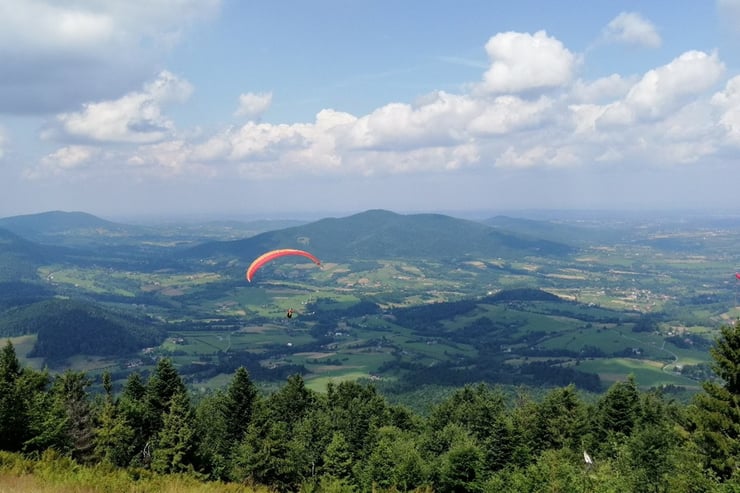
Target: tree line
350	438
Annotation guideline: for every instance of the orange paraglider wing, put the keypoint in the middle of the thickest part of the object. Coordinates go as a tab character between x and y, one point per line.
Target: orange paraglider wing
737	275
272	255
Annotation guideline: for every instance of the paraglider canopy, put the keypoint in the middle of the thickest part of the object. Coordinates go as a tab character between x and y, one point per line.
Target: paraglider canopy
272	255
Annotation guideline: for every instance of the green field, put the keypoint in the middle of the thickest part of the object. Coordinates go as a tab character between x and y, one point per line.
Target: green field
213	316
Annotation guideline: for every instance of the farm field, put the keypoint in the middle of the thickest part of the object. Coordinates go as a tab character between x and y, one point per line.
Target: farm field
631	307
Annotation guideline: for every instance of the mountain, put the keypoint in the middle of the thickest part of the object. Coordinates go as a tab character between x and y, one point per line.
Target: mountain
55	222
378	234
89	232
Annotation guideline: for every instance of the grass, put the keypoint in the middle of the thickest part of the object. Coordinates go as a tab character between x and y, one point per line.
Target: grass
54	473
647	373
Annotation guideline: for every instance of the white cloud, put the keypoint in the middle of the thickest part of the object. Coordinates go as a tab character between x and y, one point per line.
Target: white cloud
663	90
522	62
57	55
253	105
632	28
665	117
728	102
134	118
64	160
438	119
601	90
508	114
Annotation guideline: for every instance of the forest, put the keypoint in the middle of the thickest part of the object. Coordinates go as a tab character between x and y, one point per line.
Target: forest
350	438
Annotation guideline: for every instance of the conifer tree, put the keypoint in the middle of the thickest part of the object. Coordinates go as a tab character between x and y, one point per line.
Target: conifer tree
718	407
238	405
338	458
71	390
114	437
131	422
13	406
176	442
163	384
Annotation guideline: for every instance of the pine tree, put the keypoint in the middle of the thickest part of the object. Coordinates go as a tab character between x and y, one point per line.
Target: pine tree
338	458
238	405
131	412
71	390
114	437
718	407
162	385
13	406
617	413
176	443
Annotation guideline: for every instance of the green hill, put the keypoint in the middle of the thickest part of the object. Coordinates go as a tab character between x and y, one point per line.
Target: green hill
54	222
382	234
68	327
19	258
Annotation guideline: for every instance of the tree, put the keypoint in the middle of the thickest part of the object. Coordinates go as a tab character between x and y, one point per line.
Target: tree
13	406
718	406
394	462
337	458
238	405
175	444
356	411
70	389
616	415
461	469
561	419
114	437
292	402
131	413
162	385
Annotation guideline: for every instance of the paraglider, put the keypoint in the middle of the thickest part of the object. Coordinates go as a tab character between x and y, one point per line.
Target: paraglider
290	313
272	255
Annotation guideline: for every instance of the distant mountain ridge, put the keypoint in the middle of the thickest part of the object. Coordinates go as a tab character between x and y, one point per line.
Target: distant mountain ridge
385	234
54	222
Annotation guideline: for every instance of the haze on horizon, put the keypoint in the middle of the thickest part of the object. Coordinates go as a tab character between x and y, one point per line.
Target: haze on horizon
206	107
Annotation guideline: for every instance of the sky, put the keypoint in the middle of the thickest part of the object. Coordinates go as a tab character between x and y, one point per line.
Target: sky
282	108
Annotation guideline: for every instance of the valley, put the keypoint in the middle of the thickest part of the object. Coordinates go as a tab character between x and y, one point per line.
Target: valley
401	300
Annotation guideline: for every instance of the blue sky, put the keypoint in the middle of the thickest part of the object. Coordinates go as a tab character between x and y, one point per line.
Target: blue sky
128	108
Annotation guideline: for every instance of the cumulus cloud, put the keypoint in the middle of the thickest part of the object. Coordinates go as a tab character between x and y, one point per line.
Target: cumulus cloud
64	160
57	55
663	90
253	105
522	62
530	112
632	28
134	118
728	103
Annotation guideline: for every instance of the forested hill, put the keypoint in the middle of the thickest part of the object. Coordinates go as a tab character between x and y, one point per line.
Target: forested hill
45	224
383	234
69	327
19	257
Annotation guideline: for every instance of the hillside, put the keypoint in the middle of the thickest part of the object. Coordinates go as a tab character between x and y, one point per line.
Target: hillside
55	222
19	257
382	234
68	327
